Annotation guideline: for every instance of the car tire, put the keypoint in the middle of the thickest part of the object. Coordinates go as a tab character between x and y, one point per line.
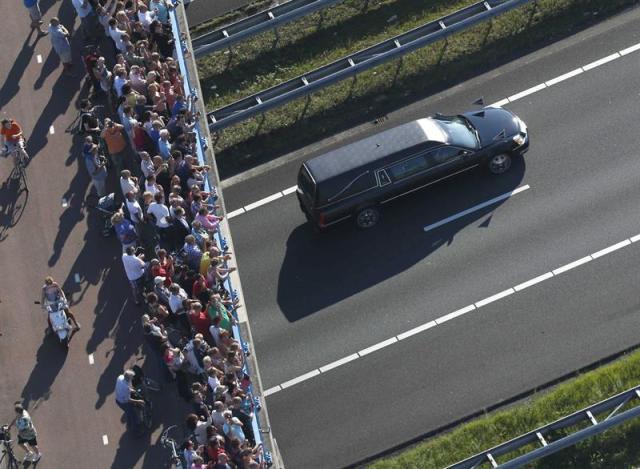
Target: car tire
367	218
499	163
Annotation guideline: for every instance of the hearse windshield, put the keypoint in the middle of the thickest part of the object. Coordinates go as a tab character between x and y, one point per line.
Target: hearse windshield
459	130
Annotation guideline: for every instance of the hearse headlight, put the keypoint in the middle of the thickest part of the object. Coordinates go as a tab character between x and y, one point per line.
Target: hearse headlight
518	139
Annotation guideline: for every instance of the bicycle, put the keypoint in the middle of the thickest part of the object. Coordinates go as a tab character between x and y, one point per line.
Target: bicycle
20	161
170	444
7	449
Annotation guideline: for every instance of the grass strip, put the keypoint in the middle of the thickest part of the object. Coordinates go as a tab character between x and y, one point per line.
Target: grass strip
377	91
615	448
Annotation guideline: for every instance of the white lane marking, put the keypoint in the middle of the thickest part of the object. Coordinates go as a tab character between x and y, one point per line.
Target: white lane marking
378	346
615	247
52	130
455	314
496	297
533	89
337	363
416	330
475	208
91	361
39	58
272	390
76	277
631	49
522	94
235	213
447	317
602	61
571	265
566	76
105	440
264	201
300	379
533	281
290	190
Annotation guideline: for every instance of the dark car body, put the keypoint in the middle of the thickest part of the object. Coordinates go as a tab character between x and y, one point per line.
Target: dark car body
353	180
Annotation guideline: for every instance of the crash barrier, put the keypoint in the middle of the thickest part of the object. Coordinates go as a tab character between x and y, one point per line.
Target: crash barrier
271	18
201	147
359	62
543	436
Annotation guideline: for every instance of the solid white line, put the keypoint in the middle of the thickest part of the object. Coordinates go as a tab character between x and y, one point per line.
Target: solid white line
496	297
52	130
475	208
635	238
378	346
105	440
524	93
533	281
337	363
300	379
602	61
290	190
571	265
500	103
91	361
264	201
235	213
610	249
417	330
272	390
39	58
628	50
566	76
455	314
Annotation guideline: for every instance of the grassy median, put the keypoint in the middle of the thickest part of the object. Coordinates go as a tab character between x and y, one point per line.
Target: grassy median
618	447
353	25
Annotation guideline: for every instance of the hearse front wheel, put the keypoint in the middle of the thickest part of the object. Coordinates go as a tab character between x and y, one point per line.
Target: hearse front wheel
500	163
367	217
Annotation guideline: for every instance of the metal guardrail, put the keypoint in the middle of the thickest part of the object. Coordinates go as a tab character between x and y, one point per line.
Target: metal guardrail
201	147
267	19
359	62
543	435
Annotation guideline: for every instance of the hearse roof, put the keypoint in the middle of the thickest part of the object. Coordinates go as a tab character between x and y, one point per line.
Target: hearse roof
373	148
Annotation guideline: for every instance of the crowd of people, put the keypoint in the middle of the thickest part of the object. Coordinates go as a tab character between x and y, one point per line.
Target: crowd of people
167	224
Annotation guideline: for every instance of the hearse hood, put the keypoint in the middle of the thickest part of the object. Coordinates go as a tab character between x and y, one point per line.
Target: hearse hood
490	121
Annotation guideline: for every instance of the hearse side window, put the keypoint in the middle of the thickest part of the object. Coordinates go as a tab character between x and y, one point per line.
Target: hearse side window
360	183
443	155
408	167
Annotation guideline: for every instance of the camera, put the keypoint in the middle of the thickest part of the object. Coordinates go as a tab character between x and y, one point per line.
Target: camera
5	435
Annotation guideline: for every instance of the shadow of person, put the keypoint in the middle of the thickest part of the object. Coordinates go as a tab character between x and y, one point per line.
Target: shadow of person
13	201
11	84
51	63
320	270
50	359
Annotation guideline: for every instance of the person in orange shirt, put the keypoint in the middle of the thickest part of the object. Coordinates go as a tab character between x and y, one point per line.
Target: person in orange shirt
12	138
114	136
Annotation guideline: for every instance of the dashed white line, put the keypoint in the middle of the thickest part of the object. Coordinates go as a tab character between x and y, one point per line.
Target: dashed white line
631	49
496	297
105	440
602	61
378	346
610	249
571	265
290	190
522	94
448	317
91	361
235	213
264	201
566	76
52	130
500	103
475	208
39	58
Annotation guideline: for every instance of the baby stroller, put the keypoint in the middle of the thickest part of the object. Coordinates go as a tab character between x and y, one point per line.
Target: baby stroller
105	206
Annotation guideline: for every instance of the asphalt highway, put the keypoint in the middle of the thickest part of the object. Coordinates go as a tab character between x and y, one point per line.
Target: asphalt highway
315	299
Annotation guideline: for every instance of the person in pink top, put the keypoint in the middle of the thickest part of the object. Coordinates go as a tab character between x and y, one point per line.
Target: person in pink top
209	221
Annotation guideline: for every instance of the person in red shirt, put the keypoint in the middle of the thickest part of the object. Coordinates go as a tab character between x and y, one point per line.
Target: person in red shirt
199	319
12	137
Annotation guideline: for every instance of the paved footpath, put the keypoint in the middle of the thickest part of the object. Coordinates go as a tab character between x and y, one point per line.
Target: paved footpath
69	394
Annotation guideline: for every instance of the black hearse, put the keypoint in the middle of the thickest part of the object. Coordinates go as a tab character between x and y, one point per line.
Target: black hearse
353	180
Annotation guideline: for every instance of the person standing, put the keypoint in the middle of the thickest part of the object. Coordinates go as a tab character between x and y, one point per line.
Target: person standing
86	14
123	391
134	267
97	170
27	435
60	42
113	135
36	16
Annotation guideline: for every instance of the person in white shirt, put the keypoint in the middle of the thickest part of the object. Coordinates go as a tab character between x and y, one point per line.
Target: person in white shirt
116	35
133	208
120	80
86	15
151	186
128	183
176	299
160	211
134	266
145	16
146	165
123	396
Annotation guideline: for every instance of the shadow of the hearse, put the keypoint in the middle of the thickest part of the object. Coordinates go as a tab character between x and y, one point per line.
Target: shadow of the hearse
322	269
